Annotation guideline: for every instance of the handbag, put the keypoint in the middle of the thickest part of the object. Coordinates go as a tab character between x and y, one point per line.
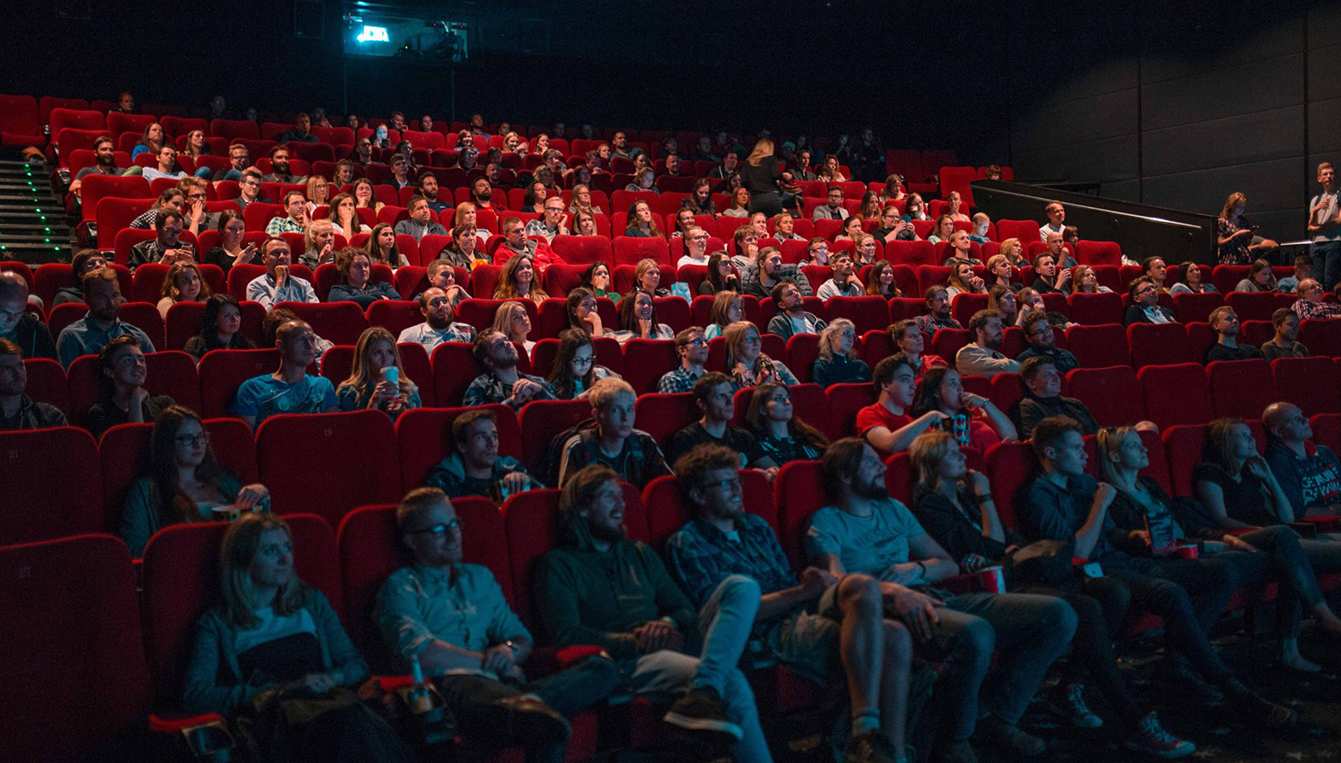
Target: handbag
297	725
1041	563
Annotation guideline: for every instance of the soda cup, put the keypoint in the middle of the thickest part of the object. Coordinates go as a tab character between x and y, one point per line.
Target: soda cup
391	374
991	579
1188	551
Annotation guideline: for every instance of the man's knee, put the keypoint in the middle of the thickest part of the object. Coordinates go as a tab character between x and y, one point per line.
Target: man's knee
976	638
740	587
859	591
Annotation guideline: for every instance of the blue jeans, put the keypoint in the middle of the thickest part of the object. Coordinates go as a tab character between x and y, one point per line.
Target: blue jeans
1326	262
724	628
1028	632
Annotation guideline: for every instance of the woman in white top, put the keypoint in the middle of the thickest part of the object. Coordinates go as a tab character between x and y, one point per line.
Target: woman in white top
344	215
638	319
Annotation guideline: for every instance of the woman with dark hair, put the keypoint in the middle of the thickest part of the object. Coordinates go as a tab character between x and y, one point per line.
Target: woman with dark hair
963	280
638	318
345	217
355	283
365	195
575	368
584	224
581	312
151	140
954	505
1193	282
220	328
1261	278
976	422
534	199
381	247
1002	300
517	281
700	200
642	223
721	276
782	435
597	278
880	280
372	383
911	342
271	632
185	483
122	371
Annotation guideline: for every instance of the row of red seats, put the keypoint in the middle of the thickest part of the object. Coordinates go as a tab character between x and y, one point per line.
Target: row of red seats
393	458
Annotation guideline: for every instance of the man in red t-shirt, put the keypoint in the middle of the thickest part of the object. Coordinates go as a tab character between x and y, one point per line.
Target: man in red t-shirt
886	424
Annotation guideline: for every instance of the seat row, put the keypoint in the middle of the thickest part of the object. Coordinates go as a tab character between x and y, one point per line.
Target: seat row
64	471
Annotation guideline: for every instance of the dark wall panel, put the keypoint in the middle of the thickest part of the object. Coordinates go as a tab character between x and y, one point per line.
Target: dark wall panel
1225	142
1258	86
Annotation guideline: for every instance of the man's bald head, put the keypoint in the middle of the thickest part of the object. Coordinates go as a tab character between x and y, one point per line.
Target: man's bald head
1277	413
12	285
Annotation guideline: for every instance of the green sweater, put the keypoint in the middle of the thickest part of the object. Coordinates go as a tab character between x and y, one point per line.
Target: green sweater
585	596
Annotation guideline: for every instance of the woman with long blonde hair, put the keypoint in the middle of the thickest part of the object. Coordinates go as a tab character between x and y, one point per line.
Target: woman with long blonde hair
369	386
747	364
727	308
514	322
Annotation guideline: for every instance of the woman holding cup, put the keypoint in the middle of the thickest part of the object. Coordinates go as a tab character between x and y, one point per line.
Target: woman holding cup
954	505
377	380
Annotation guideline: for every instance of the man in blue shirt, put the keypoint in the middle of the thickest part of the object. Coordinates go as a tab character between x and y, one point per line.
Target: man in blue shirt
290	389
1309	474
453	619
102	324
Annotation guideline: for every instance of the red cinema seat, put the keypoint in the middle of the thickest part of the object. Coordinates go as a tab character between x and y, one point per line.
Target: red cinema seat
19	123
1010	465
1321	336
424	438
454	369
1241	388
47	384
583	250
561	278
876	345
1327	429
646	361
662	415
370	549
94	188
1025	230
338	322
900	477
1190	308
354	452
223	371
543	420
947	342
1094	309
1112	394
666	509
802	351
844	400
964	306
394	315
798	491
631	251
74	685
1099	252
235	128
1176	394
1099	346
53	488
1252	306
866	313
1183	445
1159	344
181	581
234	446
123	452
1008	389
1313	384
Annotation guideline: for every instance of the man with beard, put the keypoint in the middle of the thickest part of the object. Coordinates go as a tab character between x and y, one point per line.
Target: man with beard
166	248
501	382
102	323
277	284
17	410
279	167
692	348
428	188
301	132
938	312
982	356
761	279
481	191
438	326
289	389
657	639
104	152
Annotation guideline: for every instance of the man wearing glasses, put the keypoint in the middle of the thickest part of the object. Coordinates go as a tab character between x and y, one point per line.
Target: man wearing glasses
554	223
893	227
1145	306
452	619
1043	343
239	158
695	247
692	347
249	188
1310	304
166	247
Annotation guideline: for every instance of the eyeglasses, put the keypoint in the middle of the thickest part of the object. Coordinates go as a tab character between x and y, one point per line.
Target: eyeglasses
699	342
439	530
191	440
582	361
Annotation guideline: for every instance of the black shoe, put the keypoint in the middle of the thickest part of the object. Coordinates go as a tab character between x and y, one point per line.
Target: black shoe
702	710
1181	672
869	747
1260	711
996	733
526	719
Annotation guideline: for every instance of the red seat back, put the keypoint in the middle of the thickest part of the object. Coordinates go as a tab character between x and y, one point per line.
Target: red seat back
1099	346
542	421
1321	336
1159	344
1010	465
798	491
69	610
1241	388
1176	394
1111	394
354	455
53	488
662	415
46	384
1093	309
1313	384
